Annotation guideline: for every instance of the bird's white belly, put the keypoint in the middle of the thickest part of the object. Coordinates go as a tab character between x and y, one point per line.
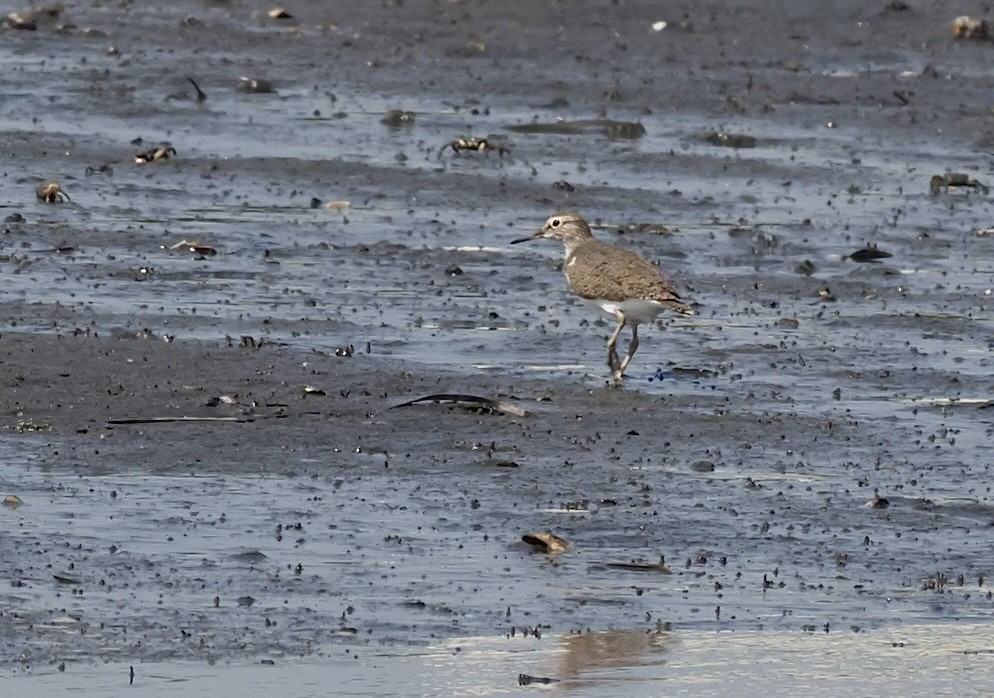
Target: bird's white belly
635	311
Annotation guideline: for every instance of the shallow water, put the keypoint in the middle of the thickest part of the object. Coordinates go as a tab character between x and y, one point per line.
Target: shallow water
925	659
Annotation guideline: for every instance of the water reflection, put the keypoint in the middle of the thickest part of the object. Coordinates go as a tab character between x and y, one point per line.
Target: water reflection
588	654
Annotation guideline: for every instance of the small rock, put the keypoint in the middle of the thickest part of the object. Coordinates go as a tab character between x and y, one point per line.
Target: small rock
702	466
870	253
396	118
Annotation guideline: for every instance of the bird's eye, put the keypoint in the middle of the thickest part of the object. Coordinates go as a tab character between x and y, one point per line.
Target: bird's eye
555	222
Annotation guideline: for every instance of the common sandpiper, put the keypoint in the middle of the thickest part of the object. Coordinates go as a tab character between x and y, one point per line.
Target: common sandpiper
618	282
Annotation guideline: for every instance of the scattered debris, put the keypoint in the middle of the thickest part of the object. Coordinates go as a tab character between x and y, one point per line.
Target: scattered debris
346	351
279	13
201	95
26	426
878	502
146	333
870	253
249	556
563	185
61	248
51	193
311	390
525	680
163	151
953	180
198	248
642	566
63	579
807	268
624	130
730	140
470	402
229	400
479	145
29	20
255	86
658	26
24	22
966	27
12	501
398	118
119	421
546	542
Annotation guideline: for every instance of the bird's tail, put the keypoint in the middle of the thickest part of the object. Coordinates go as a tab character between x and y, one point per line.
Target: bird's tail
679	306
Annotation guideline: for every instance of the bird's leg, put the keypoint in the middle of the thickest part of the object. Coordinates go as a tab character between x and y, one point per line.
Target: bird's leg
632	347
612	352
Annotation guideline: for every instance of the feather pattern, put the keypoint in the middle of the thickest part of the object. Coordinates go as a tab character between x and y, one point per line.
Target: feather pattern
597	270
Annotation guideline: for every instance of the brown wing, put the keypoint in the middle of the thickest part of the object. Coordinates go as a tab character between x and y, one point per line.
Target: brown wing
599	270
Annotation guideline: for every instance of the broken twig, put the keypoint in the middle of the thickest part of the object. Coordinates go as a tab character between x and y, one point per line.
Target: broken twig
471	402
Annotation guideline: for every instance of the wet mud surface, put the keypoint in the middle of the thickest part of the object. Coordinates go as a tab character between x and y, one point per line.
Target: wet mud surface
207	446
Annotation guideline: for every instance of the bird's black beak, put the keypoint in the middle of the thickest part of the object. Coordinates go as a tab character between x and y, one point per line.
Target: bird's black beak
534	236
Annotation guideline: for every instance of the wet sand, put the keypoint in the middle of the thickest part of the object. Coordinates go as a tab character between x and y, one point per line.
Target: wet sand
207	485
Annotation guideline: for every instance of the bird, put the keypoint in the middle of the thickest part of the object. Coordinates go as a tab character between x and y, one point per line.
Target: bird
616	281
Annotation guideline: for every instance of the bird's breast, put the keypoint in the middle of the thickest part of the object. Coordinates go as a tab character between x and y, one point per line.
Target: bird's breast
635	310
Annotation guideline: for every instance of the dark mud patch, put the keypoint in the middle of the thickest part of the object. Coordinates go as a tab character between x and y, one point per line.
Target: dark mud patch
345	521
